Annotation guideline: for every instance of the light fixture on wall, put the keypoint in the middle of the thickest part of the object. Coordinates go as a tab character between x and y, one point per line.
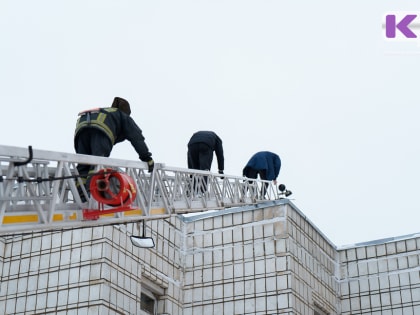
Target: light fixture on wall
142	241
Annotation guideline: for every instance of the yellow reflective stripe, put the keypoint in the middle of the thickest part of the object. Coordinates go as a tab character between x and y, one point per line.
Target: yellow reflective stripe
157	211
30	218
133	212
20	219
84	180
136	212
108	132
101	117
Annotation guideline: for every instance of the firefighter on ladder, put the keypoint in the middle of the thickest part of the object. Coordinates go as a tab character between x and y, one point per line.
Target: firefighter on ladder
99	129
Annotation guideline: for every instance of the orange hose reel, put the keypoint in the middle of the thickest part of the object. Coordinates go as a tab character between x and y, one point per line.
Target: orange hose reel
113	188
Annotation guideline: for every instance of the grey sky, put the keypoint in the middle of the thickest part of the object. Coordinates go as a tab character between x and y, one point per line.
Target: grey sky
314	81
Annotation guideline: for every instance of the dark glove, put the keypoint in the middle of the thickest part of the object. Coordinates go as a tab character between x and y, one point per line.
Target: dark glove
221	172
150	165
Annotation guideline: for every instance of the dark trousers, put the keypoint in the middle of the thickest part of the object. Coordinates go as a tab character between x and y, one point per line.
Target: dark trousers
91	141
253	173
200	157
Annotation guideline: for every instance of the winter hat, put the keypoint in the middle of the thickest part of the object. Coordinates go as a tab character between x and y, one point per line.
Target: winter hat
121	104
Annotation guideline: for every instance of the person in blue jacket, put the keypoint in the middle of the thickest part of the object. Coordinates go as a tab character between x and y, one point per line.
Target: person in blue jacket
266	164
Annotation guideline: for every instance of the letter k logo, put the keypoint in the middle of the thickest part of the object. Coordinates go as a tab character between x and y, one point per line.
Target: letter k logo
391	26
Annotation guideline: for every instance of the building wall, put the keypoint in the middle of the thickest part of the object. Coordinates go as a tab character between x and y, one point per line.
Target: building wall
381	278
232	263
82	271
265	259
312	266
76	271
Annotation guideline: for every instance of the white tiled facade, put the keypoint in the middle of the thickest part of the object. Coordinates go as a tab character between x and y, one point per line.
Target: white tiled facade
381	278
265	259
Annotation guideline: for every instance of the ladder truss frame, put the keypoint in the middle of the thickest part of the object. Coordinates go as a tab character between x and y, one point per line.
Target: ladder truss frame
40	193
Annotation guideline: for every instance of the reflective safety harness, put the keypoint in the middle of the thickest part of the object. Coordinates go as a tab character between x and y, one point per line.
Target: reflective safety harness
98	122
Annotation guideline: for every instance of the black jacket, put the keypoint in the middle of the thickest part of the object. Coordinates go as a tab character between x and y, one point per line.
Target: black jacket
213	141
118	127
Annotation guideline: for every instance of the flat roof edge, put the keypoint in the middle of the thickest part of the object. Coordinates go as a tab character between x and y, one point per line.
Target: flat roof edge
268	203
212	213
380	241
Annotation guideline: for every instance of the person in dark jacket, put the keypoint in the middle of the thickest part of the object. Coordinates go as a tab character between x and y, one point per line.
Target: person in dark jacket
201	147
99	129
266	164
200	151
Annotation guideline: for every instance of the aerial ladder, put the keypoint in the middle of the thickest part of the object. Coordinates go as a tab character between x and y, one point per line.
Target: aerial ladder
39	191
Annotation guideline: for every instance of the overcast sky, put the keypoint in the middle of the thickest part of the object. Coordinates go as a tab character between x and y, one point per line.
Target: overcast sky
314	81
